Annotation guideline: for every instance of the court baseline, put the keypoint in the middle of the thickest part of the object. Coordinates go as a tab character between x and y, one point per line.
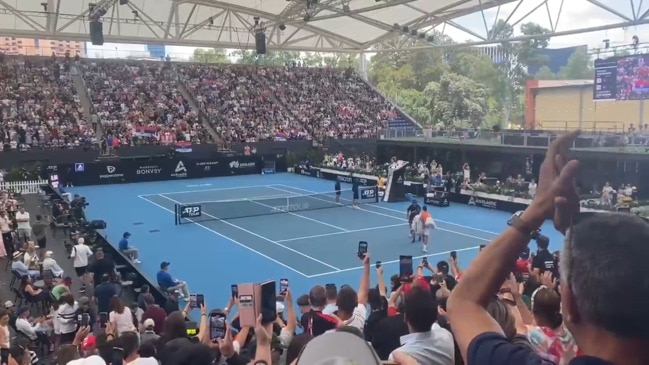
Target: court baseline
388	215
228	238
261	237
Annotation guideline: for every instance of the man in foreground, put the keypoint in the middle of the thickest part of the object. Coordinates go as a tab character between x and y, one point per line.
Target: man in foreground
604	304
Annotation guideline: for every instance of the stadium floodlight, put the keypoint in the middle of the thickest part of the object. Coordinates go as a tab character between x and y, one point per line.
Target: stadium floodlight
607	43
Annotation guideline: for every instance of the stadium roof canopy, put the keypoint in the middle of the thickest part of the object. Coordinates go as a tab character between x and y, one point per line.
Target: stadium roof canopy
334	25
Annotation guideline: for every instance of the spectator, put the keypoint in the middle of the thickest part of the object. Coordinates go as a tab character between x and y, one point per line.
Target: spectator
102	266
120	316
314	321
149	335
171	304
80	253
26	328
50	264
155	313
24	228
130	252
5	335
169	284
427	342
144	291
39	230
66	317
131	344
331	293
19	266
103	294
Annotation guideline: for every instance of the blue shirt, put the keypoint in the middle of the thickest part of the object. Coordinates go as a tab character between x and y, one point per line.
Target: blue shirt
123	244
165	279
493	349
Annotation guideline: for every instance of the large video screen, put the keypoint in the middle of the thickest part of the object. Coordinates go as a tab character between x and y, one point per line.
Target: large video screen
622	78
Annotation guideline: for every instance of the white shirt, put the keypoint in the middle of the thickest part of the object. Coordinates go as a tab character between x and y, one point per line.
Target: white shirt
26	328
4	224
80	253
51	264
358	317
23	225
433	347
144	361
532	189
123	322
66	316
330	309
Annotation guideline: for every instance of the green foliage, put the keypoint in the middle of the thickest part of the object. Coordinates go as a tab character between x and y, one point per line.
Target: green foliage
461	86
210	55
579	67
545	73
282	58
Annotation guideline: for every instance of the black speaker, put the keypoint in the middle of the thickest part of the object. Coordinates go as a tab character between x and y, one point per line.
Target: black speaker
97	33
260	42
97	224
123	2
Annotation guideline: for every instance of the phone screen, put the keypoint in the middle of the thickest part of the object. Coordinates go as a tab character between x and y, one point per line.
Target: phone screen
192	300
378	264
405	267
217	326
117	357
268	301
85	320
424	261
454	255
283	286
235	291
200	300
482	247
362	249
103	319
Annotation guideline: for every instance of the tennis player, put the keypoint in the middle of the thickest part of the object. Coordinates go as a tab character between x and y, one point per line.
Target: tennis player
413	210
428	223
337	188
417	227
355	192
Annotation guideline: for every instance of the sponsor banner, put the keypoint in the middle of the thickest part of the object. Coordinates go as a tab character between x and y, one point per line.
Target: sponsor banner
483	202
437	199
130	171
368	193
345	177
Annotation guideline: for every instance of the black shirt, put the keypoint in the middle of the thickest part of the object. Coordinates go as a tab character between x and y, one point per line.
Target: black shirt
171	306
386	335
99	268
337	186
493	349
317	323
544	261
413	210
355	185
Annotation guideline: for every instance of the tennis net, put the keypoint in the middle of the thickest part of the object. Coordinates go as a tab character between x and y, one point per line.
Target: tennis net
241	208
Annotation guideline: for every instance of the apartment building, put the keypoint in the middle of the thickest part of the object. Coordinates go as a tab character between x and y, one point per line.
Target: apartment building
40	47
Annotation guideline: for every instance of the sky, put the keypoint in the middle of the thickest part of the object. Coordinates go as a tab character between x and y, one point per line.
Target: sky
575	14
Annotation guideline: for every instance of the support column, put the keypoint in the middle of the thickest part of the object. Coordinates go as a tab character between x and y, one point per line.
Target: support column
362	69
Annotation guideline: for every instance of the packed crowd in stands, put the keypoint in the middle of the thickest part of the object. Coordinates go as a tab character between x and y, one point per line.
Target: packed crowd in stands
139	103
239	105
39	107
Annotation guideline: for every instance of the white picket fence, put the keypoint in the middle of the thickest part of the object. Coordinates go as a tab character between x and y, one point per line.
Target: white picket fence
23	187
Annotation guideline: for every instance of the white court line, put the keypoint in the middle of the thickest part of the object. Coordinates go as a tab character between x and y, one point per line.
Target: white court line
384	208
392	262
215	189
230	239
400	219
337	233
262	237
299	216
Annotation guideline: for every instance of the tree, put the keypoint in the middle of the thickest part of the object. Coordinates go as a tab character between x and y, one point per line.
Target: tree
457	100
578	67
417	105
544	73
209	55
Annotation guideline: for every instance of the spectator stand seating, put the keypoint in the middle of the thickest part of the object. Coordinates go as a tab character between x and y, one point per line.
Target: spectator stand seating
39	107
139	103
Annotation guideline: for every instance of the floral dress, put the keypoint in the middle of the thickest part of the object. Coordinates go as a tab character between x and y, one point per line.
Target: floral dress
555	345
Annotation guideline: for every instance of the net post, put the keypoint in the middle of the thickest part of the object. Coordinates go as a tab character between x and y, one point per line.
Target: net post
175	214
288	204
376	194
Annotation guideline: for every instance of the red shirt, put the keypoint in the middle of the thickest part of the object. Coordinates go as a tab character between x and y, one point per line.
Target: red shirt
158	316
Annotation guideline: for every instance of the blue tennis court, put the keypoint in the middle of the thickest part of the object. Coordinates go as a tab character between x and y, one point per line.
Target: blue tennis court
307	247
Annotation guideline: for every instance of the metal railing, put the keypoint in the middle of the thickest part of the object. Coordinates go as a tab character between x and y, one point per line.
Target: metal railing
519	138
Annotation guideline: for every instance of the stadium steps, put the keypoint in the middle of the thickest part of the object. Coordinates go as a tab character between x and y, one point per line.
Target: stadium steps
84	98
192	103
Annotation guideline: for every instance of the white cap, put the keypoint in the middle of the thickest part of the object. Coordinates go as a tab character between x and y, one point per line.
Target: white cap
148	323
80	240
279	307
49	253
9	304
90	360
